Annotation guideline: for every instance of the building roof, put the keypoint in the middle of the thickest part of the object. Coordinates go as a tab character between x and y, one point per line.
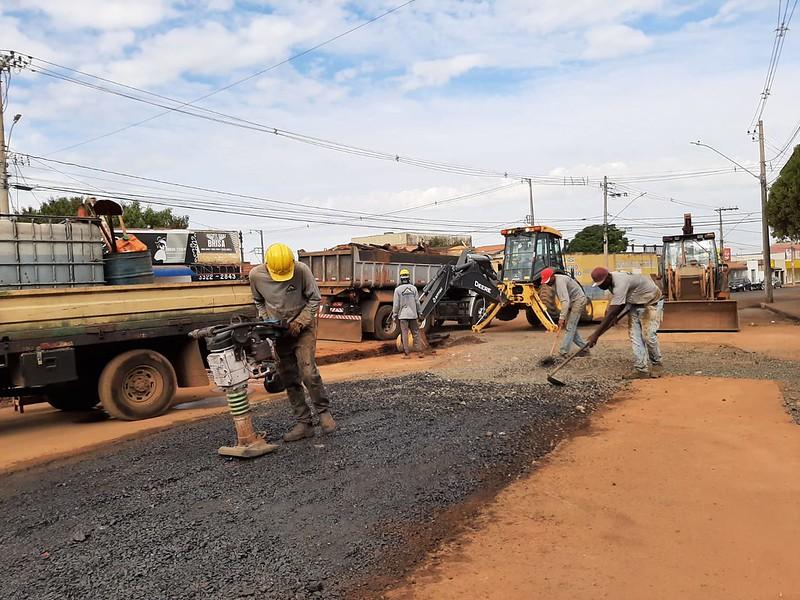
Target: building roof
737	266
492	249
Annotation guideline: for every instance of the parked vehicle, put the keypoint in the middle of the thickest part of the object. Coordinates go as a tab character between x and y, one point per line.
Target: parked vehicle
69	338
740	285
759	285
777	283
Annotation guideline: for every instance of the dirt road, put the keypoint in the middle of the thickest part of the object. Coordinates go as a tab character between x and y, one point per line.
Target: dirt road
684	488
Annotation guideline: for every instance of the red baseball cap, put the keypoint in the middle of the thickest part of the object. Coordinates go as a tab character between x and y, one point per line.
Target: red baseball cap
599	275
547	275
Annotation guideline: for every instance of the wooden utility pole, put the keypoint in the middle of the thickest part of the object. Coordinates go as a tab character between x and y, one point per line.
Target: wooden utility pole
530	218
768	295
721	234
4	205
605	219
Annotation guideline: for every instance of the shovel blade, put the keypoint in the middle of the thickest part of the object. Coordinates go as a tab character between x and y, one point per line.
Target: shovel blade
552	379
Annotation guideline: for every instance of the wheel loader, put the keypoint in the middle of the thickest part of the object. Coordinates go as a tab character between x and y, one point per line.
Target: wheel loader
695	284
528	250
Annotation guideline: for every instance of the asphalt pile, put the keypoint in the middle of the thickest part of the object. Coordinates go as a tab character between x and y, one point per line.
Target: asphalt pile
166	517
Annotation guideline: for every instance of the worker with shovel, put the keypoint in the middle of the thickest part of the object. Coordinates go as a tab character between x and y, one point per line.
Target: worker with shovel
406	309
645	309
285	290
573	302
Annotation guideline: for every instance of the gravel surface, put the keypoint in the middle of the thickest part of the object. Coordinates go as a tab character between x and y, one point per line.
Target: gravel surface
165	517
512	361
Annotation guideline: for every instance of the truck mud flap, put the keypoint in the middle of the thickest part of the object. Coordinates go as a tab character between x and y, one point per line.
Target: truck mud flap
700	315
339	322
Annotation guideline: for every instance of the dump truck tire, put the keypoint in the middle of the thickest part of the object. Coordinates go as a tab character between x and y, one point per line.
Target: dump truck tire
385	327
137	384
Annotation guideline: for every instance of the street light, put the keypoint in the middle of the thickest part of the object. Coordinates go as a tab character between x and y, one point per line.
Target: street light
762	178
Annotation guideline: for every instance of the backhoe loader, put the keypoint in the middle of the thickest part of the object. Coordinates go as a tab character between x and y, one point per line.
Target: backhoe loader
528	250
695	284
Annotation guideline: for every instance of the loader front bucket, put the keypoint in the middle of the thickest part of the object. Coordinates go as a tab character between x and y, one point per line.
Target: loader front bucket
700	315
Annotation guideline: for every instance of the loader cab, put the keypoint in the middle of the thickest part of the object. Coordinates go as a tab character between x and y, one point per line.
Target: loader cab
690	267
529	250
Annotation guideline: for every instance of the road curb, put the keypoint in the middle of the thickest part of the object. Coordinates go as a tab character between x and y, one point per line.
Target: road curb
788	315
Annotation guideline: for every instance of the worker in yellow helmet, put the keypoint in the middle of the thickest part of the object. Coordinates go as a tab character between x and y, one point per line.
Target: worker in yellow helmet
285	289
405	310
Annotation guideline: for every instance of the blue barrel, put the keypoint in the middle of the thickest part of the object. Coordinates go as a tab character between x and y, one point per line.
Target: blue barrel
128	268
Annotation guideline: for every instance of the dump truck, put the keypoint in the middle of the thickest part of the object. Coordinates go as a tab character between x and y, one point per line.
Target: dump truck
357	284
695	284
70	339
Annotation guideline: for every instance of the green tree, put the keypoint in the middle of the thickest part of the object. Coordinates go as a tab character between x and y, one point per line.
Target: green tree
590	240
783	204
135	216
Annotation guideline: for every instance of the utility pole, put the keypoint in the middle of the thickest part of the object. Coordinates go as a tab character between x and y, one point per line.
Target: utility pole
764	227
4	205
605	220
530	219
721	234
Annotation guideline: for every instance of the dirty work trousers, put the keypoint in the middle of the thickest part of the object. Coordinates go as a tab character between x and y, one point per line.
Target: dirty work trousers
571	334
420	343
643	324
297	366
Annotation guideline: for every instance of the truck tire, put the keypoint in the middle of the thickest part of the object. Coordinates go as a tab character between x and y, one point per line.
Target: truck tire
385	327
476	310
137	384
73	396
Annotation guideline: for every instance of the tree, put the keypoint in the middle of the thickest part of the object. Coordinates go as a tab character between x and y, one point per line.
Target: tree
590	240
783	205
135	216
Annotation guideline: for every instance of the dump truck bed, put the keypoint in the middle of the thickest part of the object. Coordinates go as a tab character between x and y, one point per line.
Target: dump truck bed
67	313
357	266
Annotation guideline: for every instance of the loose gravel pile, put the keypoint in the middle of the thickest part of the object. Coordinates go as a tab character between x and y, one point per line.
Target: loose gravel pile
165	517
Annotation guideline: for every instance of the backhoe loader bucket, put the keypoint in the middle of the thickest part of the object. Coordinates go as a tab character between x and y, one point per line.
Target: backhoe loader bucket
700	315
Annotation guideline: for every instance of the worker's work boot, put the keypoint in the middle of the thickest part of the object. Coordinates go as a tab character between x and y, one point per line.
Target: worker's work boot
406	356
585	353
299	432
636	375
327	423
656	370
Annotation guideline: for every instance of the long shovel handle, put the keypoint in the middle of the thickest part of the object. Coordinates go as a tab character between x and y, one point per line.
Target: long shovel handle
584	347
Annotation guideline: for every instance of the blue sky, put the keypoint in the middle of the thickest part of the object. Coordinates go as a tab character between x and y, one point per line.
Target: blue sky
585	88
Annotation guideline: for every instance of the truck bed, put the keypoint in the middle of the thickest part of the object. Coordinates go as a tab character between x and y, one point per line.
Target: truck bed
61	313
358	266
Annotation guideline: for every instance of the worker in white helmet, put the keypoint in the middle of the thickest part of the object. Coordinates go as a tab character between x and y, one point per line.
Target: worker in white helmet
406	309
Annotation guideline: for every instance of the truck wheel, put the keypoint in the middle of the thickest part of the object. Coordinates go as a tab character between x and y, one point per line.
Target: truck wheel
72	397
533	320
137	384
477	310
385	327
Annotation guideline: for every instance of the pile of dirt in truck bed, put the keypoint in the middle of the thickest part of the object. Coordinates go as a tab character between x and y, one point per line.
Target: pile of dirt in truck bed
166	517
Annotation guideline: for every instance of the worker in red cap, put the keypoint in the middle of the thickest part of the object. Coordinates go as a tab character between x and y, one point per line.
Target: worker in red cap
645	310
573	302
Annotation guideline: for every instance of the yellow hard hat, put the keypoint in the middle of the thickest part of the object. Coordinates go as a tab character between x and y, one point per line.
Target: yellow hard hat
280	262
405	273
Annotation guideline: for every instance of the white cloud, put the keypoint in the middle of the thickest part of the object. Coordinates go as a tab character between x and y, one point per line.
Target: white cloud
438	72
100	14
613	41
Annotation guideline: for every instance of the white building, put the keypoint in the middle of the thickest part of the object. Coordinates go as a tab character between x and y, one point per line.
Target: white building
785	263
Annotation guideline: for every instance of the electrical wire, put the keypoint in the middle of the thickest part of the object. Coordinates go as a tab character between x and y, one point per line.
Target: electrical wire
225	87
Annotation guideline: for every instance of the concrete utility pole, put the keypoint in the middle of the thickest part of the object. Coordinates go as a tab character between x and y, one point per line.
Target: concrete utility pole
605	220
531	220
721	234
4	205
769	298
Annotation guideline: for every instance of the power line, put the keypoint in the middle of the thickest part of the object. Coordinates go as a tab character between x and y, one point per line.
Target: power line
225	87
775	57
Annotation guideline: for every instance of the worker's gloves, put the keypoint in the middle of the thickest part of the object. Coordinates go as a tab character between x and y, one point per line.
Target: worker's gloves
295	328
561	323
592	341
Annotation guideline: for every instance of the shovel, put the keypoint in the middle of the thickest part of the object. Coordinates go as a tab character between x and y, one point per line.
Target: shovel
551	376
